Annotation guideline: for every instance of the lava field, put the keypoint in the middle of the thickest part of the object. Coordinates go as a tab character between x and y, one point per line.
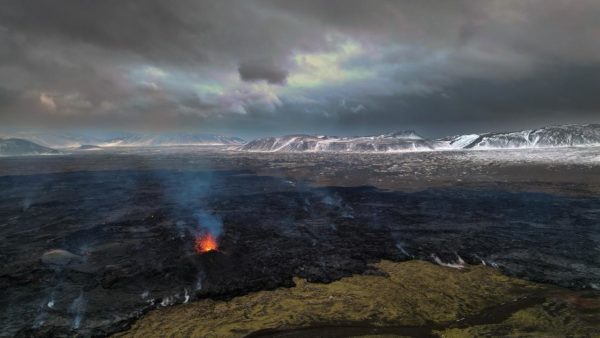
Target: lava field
88	252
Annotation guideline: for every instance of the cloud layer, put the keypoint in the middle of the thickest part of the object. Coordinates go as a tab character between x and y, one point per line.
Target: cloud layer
258	67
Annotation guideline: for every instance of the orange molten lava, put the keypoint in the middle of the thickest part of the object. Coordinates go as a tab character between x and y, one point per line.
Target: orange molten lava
206	243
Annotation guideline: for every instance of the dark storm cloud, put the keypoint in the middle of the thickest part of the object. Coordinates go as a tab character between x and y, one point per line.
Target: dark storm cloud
557	94
7	97
186	31
262	66
256	71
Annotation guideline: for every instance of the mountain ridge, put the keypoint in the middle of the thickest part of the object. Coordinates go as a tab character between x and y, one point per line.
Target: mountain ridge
404	141
568	135
398	141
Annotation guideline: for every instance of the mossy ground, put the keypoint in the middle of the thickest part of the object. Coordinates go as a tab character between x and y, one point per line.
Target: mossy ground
562	314
418	294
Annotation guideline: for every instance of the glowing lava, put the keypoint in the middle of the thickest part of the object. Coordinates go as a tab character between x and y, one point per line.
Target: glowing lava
206	243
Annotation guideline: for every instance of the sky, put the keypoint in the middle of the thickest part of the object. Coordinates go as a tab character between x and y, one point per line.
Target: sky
253	68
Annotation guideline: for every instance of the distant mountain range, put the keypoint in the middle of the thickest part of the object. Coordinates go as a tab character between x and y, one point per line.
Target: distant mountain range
31	142
15	146
171	139
555	136
117	139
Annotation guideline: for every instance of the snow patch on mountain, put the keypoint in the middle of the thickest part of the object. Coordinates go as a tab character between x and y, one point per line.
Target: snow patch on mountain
554	136
456	142
392	142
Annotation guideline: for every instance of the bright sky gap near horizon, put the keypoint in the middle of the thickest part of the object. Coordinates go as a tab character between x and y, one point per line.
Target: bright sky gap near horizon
256	68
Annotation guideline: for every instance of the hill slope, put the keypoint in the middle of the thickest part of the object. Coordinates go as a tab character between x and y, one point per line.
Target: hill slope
16	147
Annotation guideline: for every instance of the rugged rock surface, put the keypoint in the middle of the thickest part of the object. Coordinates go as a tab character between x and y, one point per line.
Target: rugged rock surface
16	147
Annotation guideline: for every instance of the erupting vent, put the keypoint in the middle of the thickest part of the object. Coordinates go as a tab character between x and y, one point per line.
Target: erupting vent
206	243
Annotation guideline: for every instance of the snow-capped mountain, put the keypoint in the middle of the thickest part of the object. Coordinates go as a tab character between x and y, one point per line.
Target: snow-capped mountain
392	142
554	136
402	141
16	147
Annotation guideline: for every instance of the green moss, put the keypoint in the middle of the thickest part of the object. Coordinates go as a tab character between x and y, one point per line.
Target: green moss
561	315
416	294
